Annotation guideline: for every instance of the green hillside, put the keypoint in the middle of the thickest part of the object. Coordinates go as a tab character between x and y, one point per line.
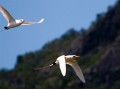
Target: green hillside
98	46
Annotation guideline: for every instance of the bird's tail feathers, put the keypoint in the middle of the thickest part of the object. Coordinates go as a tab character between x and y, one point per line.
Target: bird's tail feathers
39	68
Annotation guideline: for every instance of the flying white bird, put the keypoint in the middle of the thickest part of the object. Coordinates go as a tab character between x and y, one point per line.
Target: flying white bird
70	60
15	23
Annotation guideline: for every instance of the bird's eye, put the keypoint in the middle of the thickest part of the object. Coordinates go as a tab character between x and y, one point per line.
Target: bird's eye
22	20
73	56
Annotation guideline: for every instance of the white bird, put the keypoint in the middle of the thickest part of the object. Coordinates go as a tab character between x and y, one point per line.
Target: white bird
14	23
70	60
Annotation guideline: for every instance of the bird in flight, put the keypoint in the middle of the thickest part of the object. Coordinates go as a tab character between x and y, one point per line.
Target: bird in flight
70	60
13	22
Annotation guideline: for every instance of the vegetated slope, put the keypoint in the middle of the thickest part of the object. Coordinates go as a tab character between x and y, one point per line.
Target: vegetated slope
99	48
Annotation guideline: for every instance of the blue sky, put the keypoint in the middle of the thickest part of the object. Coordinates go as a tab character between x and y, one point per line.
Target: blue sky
60	16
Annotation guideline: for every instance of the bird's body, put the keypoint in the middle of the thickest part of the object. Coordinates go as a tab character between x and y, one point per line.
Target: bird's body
15	23
70	60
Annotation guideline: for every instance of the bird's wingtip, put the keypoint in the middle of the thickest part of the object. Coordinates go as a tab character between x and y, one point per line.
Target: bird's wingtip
84	81
63	75
41	20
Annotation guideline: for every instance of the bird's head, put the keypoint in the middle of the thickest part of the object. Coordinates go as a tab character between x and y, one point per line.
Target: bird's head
72	56
22	20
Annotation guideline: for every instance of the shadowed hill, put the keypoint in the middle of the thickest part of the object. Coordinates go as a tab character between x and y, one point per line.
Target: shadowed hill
98	46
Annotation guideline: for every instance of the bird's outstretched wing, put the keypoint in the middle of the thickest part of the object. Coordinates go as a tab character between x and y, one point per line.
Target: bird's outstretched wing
77	69
62	64
6	14
29	23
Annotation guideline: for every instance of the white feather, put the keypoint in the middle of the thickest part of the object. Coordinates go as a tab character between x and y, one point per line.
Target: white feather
6	14
29	23
77	70
62	64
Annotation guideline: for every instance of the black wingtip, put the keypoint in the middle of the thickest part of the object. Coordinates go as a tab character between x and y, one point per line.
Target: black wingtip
6	28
